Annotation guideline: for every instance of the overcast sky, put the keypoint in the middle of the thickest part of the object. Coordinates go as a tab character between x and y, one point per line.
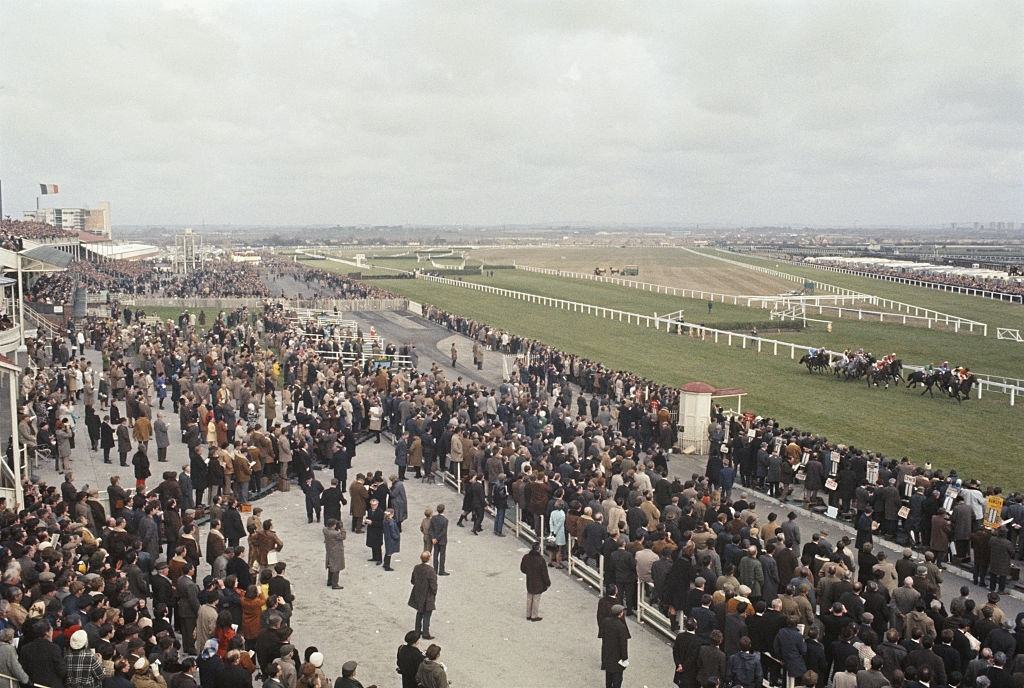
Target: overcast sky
502	112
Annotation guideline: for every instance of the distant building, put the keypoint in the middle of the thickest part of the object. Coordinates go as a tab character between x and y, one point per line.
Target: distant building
94	221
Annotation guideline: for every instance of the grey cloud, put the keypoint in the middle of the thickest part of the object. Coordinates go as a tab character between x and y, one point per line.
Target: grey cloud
389	112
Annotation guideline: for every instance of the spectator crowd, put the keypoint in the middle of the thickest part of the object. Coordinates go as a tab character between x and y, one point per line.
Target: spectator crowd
1013	283
129	591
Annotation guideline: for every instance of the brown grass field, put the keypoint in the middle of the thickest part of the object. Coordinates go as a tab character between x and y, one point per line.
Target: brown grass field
659	265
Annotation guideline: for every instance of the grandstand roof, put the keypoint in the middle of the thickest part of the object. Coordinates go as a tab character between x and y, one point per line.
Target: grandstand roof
52	258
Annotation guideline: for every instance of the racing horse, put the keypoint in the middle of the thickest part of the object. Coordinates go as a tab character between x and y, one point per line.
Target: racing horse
857	368
819	362
890	372
926	380
963	387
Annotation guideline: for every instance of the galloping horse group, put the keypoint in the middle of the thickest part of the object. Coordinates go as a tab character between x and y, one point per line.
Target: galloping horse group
946	380
863	366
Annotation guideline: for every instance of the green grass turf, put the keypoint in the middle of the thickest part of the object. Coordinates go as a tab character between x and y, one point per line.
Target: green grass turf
995	313
916	345
976	437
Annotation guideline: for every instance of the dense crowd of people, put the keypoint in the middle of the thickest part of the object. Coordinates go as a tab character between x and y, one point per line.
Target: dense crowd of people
323	284
1012	284
12	232
127	572
582	453
213	279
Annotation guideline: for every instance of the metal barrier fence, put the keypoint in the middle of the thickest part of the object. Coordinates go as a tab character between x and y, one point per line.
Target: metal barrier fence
650	614
453	479
581	569
361	357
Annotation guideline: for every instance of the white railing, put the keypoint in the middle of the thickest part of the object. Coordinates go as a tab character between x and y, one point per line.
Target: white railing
697	294
40	323
836	304
334	259
365	339
581	569
374	359
954	321
1009	334
762	344
647	613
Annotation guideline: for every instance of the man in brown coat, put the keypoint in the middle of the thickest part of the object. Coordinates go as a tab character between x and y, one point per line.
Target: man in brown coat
142	431
537	580
359	498
941	530
242	475
424	594
215	543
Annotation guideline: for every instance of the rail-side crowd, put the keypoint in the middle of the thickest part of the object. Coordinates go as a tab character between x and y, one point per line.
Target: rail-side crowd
1012	284
743	585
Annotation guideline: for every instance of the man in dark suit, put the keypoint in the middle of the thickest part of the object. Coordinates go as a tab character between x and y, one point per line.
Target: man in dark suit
684	653
476	500
614	647
163	588
188	603
705	619
331	501
437	531
231	524
424	594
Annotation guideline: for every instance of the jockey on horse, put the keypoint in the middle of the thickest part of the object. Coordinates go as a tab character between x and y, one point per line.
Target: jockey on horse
817	358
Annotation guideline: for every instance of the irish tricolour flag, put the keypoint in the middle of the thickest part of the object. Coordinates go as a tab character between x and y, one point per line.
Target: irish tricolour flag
48	189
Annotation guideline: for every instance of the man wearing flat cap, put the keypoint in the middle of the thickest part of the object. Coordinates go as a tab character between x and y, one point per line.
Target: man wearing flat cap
348	677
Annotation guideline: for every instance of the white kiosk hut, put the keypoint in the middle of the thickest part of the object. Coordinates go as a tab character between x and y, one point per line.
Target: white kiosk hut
695	412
